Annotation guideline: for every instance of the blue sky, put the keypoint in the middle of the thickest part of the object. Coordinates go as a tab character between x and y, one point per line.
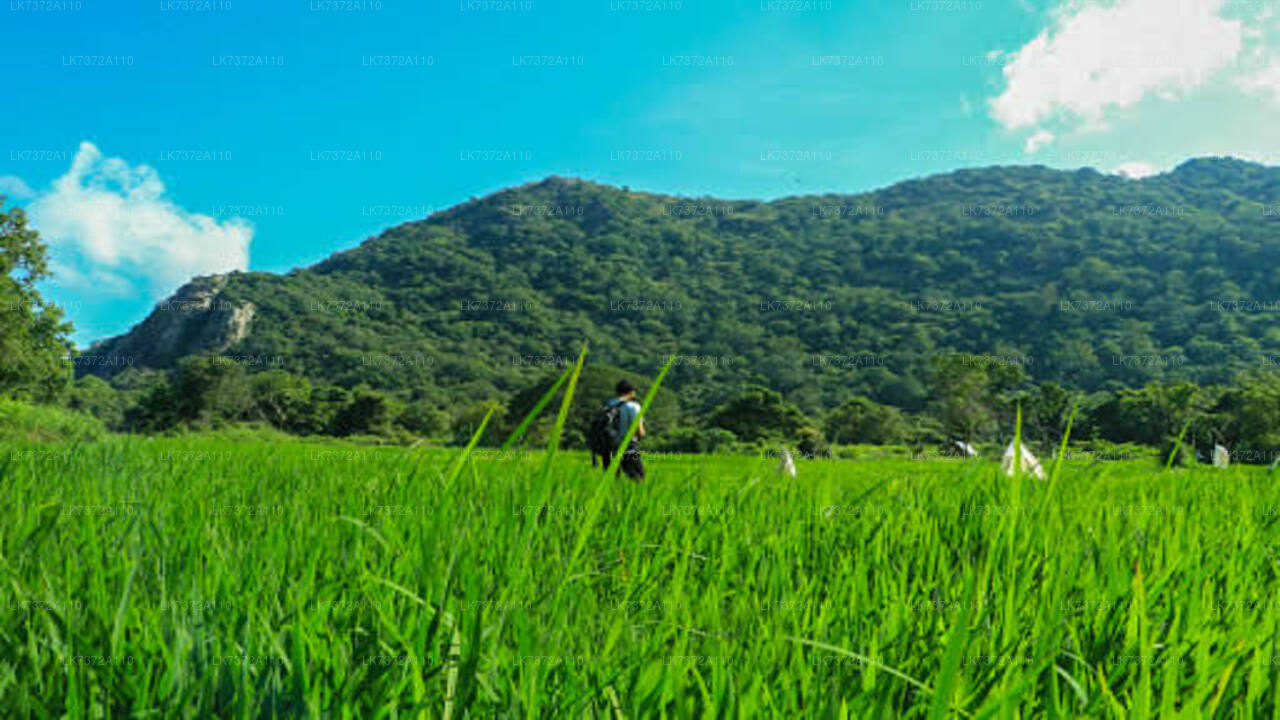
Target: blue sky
155	140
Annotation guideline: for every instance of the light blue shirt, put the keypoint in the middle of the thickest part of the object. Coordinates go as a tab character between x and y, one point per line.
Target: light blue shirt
627	414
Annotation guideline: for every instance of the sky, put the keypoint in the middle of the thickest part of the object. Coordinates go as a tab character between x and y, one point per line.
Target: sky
152	141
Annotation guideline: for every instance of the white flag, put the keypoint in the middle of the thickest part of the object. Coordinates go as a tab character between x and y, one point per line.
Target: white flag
1221	457
787	466
1029	464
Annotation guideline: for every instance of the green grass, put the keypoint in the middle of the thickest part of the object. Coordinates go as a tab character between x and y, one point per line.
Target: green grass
20	422
194	577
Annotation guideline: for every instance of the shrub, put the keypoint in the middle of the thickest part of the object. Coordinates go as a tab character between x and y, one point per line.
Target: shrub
20	422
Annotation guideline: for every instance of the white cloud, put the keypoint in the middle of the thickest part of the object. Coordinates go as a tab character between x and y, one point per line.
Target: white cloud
1098	58
1262	157
1264	81
15	188
1038	139
1136	170
111	229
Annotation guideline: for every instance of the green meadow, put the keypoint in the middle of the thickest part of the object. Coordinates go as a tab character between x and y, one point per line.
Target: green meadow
194	577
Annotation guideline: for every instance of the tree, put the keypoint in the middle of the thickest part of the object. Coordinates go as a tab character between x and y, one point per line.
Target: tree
1045	412
1250	417
1156	414
282	399
33	338
810	442
203	390
326	402
147	398
860	420
367	413
467	421
211	388
758	414
94	396
424	418
960	397
972	394
695	440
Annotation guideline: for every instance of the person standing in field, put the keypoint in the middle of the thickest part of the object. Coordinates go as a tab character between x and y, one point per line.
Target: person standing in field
611	426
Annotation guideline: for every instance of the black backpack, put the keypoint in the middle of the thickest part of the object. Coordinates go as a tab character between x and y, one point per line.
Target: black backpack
605	433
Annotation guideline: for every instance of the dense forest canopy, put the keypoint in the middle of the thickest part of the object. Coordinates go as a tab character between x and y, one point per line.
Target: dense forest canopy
1093	281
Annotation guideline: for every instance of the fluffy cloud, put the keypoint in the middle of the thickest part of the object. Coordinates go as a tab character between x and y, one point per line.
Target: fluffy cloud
1098	58
1038	139
1136	170
1264	81
111	229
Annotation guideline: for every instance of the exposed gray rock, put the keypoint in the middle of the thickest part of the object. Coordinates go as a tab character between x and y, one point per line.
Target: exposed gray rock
196	320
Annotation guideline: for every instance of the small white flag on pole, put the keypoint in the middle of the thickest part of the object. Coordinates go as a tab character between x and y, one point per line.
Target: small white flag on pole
787	466
1221	456
1029	463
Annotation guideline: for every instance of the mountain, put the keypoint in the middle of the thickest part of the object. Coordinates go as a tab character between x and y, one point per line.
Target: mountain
1093	280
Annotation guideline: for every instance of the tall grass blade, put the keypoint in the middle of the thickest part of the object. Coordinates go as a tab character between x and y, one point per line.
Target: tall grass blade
553	444
1017	443
956	645
1062	447
460	462
536	411
1177	445
593	508
1057	463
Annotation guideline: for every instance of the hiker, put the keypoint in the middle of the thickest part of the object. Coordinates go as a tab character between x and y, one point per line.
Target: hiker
610	427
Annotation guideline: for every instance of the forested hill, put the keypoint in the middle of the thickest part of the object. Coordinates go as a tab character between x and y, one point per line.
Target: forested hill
1090	279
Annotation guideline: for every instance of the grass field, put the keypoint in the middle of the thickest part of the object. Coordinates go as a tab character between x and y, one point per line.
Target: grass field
190	577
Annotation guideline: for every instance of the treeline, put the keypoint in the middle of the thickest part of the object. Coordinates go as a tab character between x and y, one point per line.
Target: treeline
976	402
208	392
970	399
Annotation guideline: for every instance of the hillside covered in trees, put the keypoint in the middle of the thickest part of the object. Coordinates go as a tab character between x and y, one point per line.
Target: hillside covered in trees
1093	281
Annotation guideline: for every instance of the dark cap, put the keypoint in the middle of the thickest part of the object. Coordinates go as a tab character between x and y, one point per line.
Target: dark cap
623	387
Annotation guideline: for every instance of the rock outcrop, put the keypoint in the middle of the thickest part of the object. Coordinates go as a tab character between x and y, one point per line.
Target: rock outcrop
196	320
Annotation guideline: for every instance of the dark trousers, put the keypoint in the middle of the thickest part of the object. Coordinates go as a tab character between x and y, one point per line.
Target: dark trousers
631	463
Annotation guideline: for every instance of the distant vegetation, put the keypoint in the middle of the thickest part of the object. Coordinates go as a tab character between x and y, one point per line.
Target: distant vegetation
915	315
21	422
967	403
